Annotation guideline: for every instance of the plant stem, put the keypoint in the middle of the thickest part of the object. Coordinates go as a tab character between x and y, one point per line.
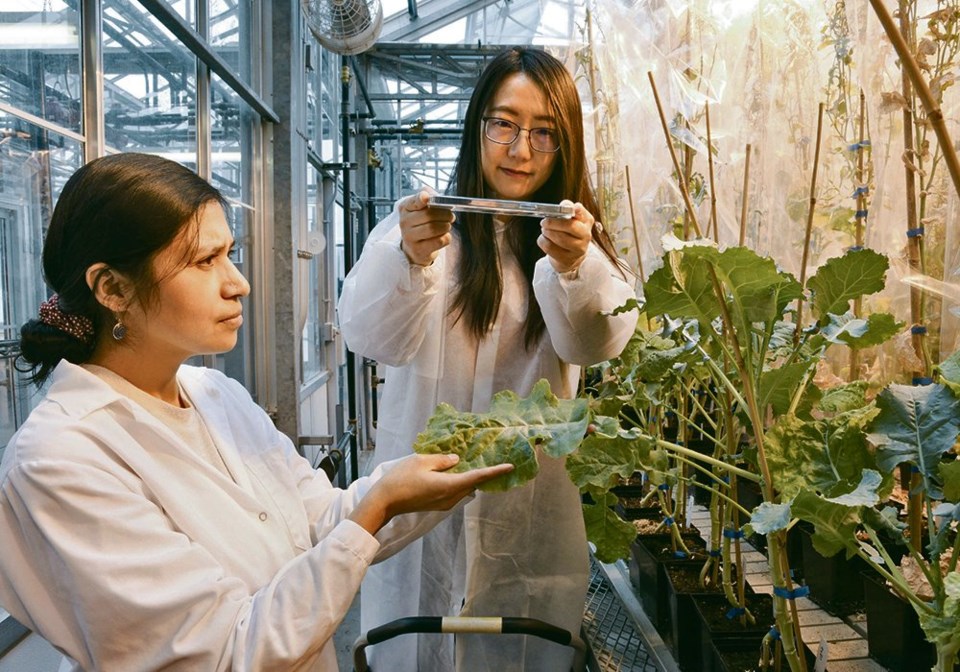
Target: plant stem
860	218
682	450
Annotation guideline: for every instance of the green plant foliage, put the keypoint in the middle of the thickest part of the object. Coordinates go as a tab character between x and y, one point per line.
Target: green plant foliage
510	432
843	279
607	454
844	397
916	424
835	525
826	456
611	535
778	385
949	370
768	517
943	628
859	332
950	475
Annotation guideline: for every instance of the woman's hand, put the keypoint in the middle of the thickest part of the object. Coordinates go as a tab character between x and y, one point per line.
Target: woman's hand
419	483
565	241
424	231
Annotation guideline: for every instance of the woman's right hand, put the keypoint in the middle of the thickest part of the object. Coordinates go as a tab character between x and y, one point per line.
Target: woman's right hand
419	483
424	230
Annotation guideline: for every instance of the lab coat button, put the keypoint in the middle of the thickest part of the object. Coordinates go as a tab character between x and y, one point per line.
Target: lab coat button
263	515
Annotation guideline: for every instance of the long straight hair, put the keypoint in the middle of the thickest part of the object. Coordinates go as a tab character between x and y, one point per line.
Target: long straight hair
479	281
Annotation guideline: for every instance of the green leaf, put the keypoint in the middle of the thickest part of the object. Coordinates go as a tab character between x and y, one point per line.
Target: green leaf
826	455
758	291
843	279
611	535
602	459
949	370
858	332
682	288
916	424
842	398
509	432
835	525
767	518
950	473
865	494
777	386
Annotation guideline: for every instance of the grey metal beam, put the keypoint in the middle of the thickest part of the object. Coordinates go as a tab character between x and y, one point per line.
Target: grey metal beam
186	34
432	16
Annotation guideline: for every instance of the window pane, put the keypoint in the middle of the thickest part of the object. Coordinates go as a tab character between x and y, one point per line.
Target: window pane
40	61
34	165
150	85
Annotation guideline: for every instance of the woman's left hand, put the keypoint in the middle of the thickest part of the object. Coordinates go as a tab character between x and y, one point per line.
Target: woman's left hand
565	241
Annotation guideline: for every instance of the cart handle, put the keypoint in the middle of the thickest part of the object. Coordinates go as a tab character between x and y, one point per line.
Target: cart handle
507	625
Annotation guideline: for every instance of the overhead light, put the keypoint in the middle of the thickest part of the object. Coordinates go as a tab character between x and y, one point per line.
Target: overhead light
38	36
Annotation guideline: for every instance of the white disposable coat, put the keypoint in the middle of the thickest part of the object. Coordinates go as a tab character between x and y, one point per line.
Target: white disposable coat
521	553
127	552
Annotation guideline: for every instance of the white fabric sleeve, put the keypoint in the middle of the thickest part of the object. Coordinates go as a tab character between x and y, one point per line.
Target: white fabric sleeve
122	584
576	307
386	301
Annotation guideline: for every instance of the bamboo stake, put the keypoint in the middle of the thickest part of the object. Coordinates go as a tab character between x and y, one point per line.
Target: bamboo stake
684	191
713	190
934	114
910	481
746	198
633	222
861	216
809	229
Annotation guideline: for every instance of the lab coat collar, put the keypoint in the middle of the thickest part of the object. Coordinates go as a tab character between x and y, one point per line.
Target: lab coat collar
80	393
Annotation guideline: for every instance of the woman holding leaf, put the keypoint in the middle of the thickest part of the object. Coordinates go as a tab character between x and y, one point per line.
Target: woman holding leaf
459	309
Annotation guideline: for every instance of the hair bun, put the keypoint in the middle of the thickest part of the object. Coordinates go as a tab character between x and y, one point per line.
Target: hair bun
42	346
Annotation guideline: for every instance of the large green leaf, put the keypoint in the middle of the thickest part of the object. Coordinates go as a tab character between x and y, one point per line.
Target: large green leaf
848	397
510	431
757	291
916	424
826	456
777	386
858	332
843	279
606	455
835	525
682	287
611	535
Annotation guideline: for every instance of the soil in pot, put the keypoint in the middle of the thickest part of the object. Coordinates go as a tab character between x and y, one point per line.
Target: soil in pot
894	637
719	621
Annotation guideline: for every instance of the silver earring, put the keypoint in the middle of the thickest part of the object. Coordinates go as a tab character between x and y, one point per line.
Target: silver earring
119	331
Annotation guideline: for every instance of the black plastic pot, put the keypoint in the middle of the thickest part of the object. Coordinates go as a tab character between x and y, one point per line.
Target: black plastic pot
834	582
683	590
894	637
742	654
717	623
650	555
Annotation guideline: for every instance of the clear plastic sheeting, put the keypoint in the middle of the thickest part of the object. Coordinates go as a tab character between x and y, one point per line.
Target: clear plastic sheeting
763	69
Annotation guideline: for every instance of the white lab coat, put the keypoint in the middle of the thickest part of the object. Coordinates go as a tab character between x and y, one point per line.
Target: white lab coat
521	553
128	552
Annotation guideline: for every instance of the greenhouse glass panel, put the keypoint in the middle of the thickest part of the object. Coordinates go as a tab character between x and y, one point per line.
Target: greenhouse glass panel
150	85
40	60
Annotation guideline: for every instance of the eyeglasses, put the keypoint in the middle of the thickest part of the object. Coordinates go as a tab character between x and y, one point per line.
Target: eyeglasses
504	132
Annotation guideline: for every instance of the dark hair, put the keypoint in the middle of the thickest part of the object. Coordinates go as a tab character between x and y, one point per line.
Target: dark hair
120	210
480	286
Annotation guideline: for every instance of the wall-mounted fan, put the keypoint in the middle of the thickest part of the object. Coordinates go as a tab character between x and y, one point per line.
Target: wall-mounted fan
344	26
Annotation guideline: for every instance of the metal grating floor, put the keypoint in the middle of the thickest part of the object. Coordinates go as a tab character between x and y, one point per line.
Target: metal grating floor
615	645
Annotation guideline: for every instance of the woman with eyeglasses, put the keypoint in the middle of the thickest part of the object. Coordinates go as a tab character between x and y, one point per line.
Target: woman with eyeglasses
460	308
